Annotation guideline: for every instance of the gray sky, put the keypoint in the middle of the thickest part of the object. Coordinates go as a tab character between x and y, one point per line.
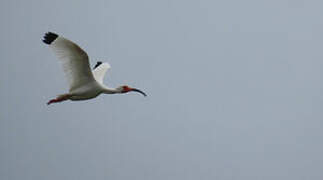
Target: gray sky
234	91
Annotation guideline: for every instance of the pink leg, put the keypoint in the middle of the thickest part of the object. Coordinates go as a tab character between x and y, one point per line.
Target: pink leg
59	99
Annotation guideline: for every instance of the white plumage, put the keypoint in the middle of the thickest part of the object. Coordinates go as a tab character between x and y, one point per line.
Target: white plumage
83	83
100	71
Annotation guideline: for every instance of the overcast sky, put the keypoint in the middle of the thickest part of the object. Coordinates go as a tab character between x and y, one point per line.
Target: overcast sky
235	91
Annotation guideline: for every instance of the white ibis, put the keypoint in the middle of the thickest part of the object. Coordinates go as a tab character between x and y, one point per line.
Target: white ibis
83	83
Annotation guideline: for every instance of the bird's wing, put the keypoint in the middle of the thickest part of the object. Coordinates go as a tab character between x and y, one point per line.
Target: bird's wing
75	61
99	71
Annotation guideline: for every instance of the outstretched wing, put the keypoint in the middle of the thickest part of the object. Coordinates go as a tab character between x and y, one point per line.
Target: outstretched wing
75	61
99	71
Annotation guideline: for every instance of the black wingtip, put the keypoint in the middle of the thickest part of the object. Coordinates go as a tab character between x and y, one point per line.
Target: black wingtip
49	37
97	64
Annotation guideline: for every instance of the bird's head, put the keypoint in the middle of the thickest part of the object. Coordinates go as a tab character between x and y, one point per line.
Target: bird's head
125	89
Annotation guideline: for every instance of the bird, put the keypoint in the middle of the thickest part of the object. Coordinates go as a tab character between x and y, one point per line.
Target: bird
84	83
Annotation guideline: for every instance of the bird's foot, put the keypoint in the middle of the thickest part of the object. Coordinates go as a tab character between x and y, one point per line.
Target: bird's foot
52	101
58	99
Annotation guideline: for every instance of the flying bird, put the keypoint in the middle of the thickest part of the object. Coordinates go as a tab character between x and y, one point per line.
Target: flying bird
84	83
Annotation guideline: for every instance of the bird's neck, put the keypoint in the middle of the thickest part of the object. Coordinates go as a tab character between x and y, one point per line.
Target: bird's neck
107	90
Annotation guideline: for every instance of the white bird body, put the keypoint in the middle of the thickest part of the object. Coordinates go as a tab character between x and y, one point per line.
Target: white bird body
87	91
83	83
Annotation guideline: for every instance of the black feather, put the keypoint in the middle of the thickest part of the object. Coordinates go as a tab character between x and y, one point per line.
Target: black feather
49	37
97	64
